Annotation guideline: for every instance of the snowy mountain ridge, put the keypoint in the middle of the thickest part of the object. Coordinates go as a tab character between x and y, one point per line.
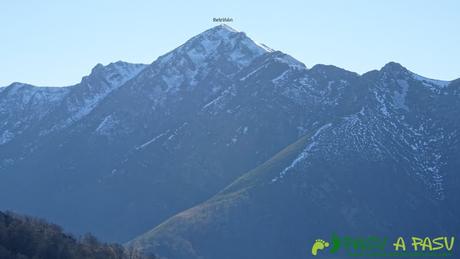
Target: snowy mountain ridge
23	106
210	112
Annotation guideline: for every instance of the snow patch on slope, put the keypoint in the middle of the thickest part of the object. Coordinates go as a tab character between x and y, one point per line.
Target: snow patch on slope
6	137
153	140
107	126
399	98
430	82
305	153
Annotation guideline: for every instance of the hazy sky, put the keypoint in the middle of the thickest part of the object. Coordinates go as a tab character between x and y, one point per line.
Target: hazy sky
55	43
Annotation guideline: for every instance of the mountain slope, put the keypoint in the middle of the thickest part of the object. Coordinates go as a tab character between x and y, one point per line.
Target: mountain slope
384	169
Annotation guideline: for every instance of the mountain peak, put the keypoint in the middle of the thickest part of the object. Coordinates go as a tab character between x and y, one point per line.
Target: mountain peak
224	27
114	74
118	66
219	43
393	67
221	32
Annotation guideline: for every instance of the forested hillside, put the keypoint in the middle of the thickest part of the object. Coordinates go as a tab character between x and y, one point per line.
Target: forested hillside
23	237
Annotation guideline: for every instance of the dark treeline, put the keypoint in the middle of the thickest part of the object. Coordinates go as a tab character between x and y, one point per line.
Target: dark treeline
23	237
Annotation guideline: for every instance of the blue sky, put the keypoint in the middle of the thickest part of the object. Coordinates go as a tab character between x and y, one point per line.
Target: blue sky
55	43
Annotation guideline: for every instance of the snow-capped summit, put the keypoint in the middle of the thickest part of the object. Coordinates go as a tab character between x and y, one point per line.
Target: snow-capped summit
218	44
226	27
221	51
223	30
